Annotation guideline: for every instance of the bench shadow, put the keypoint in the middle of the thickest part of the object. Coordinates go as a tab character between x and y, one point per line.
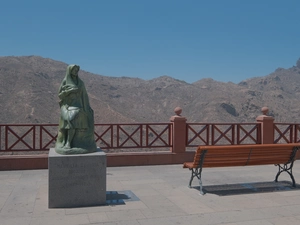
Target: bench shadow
248	188
120	197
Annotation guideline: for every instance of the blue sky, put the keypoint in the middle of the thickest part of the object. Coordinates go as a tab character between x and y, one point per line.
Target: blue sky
226	40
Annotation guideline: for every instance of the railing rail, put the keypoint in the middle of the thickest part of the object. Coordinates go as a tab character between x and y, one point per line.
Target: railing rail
222	134
133	135
27	137
286	133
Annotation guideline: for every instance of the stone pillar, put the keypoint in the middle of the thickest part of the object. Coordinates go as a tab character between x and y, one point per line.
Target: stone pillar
267	127
77	180
179	131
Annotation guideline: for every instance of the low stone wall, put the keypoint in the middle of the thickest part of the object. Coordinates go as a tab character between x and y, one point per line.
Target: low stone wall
30	162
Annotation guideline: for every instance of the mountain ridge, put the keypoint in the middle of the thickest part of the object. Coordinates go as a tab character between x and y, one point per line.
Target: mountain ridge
29	86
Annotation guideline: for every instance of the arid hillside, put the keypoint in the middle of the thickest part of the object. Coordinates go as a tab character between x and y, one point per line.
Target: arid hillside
29	86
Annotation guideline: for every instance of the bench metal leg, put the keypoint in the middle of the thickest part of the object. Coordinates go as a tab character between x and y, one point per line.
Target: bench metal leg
200	184
196	172
288	167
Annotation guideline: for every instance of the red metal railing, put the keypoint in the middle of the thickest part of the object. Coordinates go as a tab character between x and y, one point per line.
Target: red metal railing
40	137
146	135
222	134
27	137
286	133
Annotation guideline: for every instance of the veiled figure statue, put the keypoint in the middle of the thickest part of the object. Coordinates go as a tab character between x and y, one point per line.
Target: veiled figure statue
76	123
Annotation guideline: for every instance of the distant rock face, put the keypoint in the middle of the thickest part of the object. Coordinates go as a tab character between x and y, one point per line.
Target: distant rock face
298	63
229	108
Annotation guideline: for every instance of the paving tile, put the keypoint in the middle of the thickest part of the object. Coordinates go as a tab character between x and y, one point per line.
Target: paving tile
41	204
113	184
219	204
86	210
16	174
196	208
254	222
255	203
163	211
98	217
190	205
129	205
174	191
156	201
285	221
130	186
9	183
21	205
161	186
120	215
14	220
61	220
274	212
142	181
124	222
235	216
180	220
231	223
289	193
41	210
146	192
290	210
3	199
286	200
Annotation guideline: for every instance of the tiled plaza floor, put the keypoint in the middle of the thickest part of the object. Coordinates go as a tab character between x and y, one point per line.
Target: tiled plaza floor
159	195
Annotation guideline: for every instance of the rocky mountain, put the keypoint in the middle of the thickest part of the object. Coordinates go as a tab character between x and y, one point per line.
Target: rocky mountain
29	86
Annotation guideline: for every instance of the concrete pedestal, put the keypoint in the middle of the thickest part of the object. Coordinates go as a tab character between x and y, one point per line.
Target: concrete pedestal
77	180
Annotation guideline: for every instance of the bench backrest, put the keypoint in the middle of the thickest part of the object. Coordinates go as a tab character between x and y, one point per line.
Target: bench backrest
243	155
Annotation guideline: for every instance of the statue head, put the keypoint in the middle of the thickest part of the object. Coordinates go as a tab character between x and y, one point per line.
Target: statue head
73	70
71	77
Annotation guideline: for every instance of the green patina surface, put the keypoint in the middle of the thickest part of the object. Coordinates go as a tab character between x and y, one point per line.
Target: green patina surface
76	122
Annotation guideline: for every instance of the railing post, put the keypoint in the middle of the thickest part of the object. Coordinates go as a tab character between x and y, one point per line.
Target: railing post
178	135
267	127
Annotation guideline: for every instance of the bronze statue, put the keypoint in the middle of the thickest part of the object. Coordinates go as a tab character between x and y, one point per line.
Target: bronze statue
76	123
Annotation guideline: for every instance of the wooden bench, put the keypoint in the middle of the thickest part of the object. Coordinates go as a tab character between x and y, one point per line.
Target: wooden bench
281	155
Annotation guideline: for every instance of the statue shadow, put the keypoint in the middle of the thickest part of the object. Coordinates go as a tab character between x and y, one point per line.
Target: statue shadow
248	188
120	197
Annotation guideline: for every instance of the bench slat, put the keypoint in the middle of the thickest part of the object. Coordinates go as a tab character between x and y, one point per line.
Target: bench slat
223	164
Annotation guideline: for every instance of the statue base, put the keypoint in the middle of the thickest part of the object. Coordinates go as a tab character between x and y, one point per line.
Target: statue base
72	151
76	180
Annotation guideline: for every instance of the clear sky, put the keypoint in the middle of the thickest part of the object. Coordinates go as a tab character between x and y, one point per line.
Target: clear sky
226	40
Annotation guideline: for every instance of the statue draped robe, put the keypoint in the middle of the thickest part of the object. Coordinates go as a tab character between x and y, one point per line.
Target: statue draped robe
76	115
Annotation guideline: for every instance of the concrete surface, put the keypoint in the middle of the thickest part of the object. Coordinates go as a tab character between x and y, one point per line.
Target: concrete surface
147	195
77	180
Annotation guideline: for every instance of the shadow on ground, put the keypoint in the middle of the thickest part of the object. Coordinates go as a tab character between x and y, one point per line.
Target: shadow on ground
249	188
120	197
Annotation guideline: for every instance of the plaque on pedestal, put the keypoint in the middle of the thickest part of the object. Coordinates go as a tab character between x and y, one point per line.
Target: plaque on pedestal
77	180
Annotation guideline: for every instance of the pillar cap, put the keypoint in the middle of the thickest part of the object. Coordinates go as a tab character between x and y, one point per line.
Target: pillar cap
178	111
264	116
178	116
265	110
